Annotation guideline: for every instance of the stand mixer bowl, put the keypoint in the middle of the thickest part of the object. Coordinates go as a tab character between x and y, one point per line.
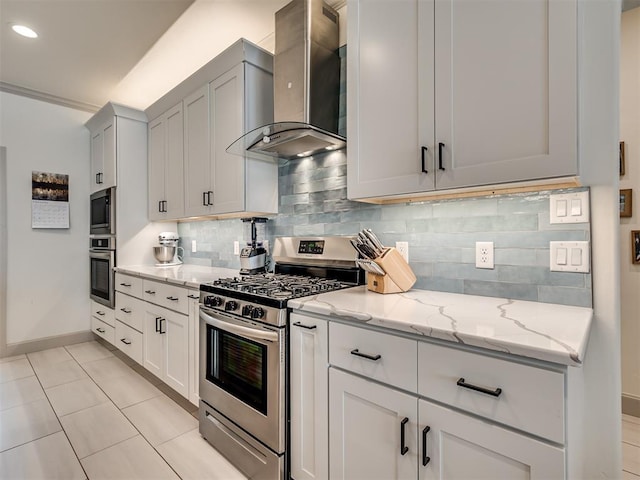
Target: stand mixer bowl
164	254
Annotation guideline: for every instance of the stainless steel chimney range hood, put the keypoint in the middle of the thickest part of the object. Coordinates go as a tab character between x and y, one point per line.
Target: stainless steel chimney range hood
306	87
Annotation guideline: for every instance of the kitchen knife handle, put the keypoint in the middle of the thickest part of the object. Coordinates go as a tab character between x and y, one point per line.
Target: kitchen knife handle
440	148
493	393
425	458
403	448
357	353
424	160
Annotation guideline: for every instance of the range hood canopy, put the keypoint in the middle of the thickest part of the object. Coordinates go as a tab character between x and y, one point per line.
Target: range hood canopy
306	87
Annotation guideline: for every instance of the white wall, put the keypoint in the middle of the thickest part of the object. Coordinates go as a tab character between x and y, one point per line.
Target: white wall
630	134
47	270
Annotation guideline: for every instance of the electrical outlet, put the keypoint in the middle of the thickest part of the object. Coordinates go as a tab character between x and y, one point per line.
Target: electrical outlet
484	255
194	248
236	247
403	248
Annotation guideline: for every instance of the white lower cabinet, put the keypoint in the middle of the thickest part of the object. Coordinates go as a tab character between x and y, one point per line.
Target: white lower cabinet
104	330
372	430
455	446
309	397
129	340
166	347
194	347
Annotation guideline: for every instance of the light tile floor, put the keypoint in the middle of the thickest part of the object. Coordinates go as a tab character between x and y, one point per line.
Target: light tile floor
81	412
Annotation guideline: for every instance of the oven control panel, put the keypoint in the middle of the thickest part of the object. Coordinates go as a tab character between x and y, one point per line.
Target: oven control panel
272	316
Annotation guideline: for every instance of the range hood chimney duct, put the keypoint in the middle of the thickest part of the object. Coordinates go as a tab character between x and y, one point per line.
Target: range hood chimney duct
306	86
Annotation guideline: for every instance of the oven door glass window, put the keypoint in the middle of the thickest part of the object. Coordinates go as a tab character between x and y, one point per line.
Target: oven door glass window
238	366
100	277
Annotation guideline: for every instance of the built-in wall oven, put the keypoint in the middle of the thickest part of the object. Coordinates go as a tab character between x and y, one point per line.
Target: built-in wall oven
244	350
102	259
102	216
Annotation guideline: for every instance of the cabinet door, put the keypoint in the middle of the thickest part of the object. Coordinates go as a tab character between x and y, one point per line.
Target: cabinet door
309	398
110	153
384	97
157	157
461	447
506	90
175	332
197	161
227	116
194	347
365	430
152	351
97	160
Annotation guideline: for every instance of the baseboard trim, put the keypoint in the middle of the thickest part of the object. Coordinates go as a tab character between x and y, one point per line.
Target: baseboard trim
48	342
631	405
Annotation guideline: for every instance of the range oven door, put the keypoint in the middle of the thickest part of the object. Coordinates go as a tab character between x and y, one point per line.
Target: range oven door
242	374
101	265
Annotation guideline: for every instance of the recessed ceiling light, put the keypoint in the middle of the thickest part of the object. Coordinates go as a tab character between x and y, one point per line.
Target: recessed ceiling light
24	31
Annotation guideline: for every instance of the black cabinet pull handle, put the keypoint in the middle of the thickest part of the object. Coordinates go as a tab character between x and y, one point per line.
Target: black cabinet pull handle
165	330
425	458
125	310
204	199
164	206
493	393
173	299
403	448
424	160
100	313
160	206
440	147
312	327
157	327
100	330
125	284
125	341
150	292
195	297
364	355
209	193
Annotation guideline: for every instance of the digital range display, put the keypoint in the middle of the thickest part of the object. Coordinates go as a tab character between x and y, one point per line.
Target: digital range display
315	247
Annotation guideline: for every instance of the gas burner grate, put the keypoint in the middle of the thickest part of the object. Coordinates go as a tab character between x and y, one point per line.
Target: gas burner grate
282	286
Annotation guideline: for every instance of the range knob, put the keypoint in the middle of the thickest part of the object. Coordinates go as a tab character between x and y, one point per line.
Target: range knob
247	310
231	305
211	301
257	312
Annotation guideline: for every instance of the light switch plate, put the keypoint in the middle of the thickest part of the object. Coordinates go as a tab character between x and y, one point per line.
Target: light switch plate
569	207
569	257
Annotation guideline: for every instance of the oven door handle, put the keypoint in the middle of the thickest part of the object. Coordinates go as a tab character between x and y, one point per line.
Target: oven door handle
256	334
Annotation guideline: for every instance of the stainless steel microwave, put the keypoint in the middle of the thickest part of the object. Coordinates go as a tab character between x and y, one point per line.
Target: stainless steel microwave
103	212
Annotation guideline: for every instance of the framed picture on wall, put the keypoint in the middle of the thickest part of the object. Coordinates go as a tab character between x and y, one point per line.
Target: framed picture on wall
625	203
635	247
622	158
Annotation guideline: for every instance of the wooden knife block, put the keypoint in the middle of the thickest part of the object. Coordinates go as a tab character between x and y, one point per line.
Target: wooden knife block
398	278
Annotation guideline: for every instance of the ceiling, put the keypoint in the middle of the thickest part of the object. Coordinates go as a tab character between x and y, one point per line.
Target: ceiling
132	52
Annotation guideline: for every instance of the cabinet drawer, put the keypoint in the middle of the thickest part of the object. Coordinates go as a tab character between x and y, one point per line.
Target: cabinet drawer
130	310
529	398
129	285
103	329
167	295
386	358
105	314
129	341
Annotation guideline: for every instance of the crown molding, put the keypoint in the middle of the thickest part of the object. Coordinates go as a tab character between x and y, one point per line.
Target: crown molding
46	97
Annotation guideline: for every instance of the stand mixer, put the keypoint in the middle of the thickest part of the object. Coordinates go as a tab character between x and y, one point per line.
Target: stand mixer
168	253
253	257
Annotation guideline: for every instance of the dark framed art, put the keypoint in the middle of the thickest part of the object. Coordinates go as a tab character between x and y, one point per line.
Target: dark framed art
635	247
625	203
622	165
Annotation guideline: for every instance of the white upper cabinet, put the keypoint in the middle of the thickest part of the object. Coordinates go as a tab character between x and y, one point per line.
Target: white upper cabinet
103	156
459	94
197	161
166	151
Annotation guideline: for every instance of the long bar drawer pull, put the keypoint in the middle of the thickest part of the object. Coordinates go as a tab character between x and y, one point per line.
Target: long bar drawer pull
101	313
125	341
403	448
100	330
173	299
298	324
125	310
425	458
493	393
150	292
364	355
194	297
125	284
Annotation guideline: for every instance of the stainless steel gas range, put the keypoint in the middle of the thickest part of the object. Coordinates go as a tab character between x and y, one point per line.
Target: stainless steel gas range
244	343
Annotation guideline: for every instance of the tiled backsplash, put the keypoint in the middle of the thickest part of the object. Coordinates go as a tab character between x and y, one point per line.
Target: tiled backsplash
441	234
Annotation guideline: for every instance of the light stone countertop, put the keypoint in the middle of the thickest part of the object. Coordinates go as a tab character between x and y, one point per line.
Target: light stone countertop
544	331
183	275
